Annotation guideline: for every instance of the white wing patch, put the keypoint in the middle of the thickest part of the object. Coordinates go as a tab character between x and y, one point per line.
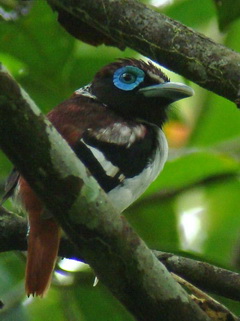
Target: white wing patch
130	188
108	167
119	134
124	195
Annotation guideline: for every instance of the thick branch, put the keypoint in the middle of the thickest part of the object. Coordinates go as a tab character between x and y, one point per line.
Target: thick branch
205	276
175	46
106	241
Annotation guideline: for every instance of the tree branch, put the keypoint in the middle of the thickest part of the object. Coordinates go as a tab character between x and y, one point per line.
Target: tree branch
215	310
205	276
118	256
130	23
13	231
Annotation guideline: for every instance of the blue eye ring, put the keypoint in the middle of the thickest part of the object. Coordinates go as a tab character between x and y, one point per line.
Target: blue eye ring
128	77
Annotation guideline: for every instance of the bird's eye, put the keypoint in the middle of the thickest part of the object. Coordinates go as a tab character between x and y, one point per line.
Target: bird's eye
128	77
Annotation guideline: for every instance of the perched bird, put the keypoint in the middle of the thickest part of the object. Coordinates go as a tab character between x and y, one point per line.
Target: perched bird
114	126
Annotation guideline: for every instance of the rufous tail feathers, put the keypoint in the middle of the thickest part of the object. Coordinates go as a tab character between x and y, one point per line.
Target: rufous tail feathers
43	243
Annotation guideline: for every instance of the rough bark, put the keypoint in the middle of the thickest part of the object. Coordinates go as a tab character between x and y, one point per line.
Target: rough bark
129	23
207	277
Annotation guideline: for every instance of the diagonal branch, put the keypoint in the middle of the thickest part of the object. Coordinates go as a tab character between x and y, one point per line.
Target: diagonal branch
130	23
118	256
205	276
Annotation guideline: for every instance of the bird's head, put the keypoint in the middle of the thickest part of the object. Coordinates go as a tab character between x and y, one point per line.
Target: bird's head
137	90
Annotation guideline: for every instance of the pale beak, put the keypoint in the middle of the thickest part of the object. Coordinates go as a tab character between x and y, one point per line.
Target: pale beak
171	90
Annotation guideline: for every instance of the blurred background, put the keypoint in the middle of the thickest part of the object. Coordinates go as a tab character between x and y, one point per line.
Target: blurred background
193	207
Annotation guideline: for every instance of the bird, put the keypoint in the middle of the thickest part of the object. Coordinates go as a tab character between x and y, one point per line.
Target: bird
114	126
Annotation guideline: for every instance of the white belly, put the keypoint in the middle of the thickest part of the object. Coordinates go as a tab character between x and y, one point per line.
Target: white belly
124	195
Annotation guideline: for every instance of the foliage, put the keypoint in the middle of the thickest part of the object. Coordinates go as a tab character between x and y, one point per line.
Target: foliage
193	206
228	11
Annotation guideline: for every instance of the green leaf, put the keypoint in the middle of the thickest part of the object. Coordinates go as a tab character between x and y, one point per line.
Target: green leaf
222	226
192	168
191	13
218	221
232	37
228	11
155	221
49	308
12	287
48	62
218	121
155	217
97	303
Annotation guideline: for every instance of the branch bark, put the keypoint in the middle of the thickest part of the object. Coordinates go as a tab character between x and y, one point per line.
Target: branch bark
130	23
118	256
207	277
203	275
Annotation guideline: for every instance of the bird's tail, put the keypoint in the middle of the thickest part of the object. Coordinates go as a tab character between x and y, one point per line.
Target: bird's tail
43	243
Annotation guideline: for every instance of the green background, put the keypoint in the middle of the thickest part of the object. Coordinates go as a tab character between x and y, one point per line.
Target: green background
193	207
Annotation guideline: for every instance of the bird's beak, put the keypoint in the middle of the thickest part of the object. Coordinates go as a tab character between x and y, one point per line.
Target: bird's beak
171	90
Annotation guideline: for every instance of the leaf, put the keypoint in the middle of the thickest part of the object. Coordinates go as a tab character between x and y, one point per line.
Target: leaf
48	62
49	308
96	303
223	219
12	288
191	13
218	121
193	168
154	217
156	223
232	37
228	11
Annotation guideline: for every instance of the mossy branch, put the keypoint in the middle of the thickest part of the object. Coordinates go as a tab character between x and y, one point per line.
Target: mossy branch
129	23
